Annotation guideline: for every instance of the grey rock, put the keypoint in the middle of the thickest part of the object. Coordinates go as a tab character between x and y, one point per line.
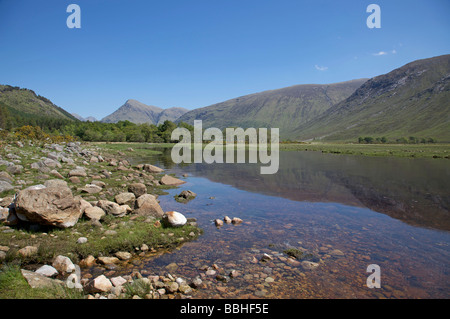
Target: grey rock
80	172
47	271
15	169
125	199
138	189
5	186
36	280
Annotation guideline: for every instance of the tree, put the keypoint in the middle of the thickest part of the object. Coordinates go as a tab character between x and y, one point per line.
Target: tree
402	140
368	139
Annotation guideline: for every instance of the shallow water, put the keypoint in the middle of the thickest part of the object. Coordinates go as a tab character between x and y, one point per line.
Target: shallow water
392	212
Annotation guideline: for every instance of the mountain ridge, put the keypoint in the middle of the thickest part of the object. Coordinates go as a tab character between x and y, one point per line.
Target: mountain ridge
412	100
283	108
138	112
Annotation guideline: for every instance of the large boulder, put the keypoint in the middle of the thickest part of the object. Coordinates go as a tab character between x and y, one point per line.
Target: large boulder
147	205
48	206
171	181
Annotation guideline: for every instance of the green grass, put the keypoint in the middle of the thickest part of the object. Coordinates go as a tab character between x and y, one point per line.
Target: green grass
397	150
130	234
139	149
137	288
14	286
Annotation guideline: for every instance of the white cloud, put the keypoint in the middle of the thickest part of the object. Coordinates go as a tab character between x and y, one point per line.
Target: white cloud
385	53
380	53
321	68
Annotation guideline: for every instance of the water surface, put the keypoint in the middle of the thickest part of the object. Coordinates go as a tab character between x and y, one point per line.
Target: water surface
346	212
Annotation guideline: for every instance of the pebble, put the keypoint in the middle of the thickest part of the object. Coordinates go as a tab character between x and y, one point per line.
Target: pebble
266	257
336	253
210	272
197	282
236	220
82	240
269	280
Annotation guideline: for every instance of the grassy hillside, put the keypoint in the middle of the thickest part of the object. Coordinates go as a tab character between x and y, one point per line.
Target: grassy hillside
20	107
25	101
413	100
284	108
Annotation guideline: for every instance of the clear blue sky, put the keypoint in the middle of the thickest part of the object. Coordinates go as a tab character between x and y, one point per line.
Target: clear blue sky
194	53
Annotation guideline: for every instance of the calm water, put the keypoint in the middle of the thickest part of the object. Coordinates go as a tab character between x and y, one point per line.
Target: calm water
392	212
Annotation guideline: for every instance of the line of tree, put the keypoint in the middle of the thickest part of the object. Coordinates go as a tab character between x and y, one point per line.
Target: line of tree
402	140
123	131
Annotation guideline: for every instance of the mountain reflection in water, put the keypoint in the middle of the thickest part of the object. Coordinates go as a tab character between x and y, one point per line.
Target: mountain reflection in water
415	191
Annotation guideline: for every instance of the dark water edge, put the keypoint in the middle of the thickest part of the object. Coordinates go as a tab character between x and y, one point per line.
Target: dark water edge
386	211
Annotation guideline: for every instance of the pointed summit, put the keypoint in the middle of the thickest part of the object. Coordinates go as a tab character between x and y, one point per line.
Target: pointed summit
138	112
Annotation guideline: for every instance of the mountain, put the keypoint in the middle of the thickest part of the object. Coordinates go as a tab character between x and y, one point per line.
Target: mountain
137	112
84	119
413	100
284	108
26	103
171	114
90	119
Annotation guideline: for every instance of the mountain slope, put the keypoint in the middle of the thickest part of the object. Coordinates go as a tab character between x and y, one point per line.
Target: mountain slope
137	112
413	100
284	108
27	103
171	114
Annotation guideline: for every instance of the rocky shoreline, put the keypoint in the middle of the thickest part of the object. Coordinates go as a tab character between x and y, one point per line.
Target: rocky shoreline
70	203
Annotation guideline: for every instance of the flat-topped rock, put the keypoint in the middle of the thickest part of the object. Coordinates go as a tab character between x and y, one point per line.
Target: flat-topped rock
36	280
171	181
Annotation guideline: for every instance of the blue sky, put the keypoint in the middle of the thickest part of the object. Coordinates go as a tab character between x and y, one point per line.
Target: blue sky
195	53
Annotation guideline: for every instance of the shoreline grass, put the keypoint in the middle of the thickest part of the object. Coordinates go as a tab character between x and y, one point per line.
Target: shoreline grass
389	150
436	151
130	232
